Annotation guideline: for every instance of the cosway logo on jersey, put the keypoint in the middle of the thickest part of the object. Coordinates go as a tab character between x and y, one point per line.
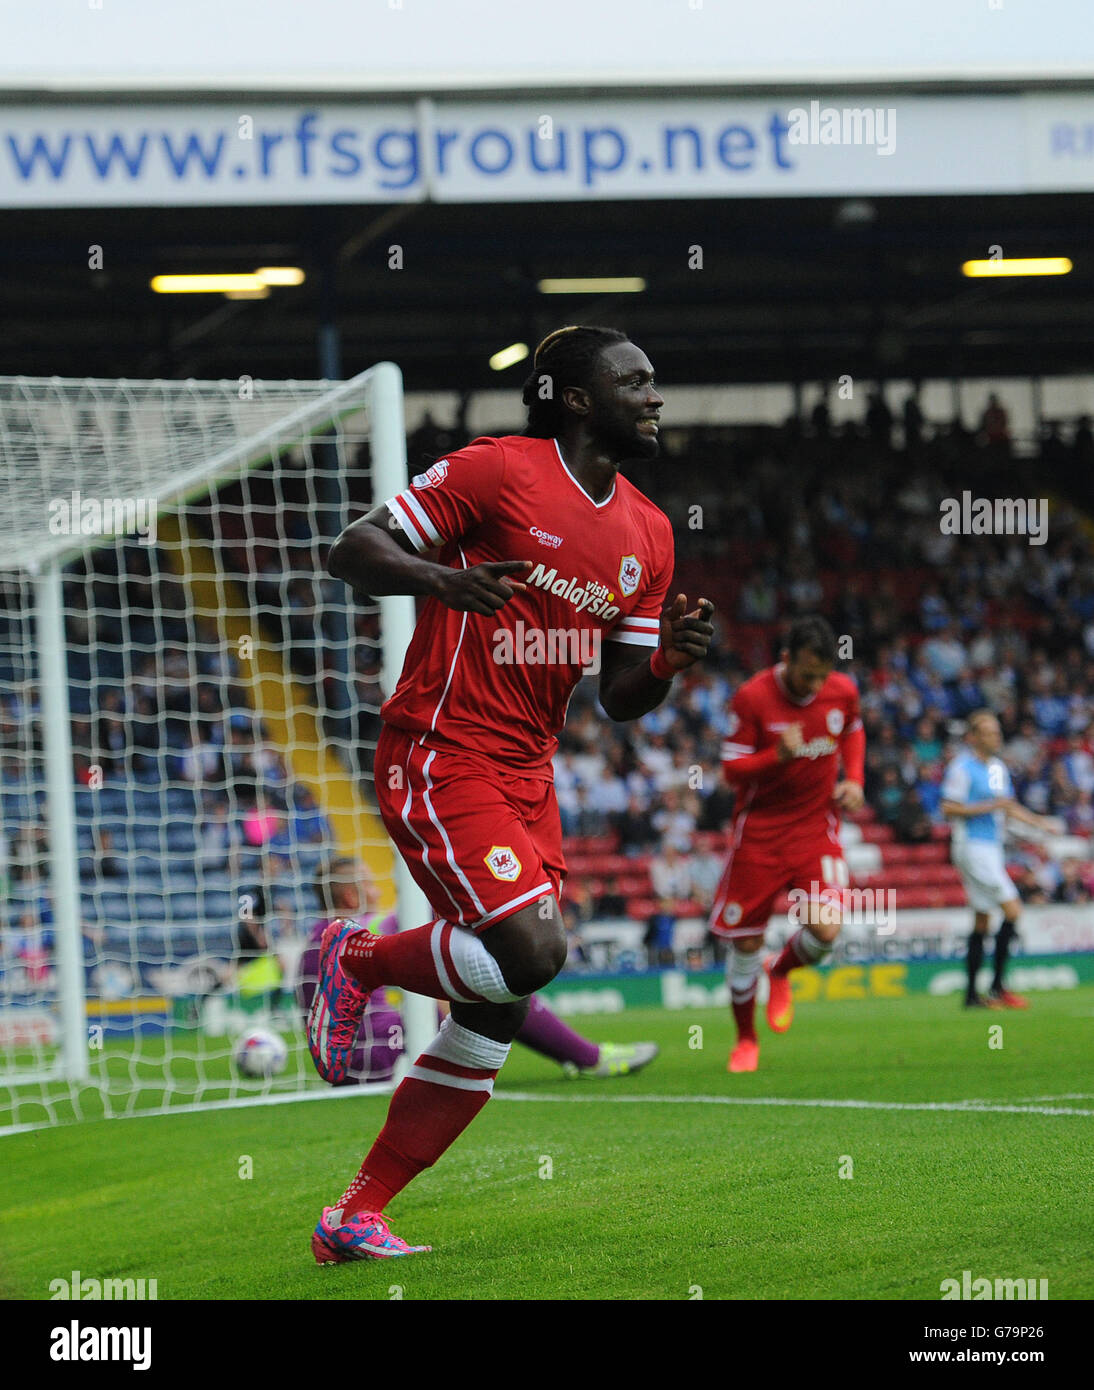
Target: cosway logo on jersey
503	863
630	572
432	477
590	595
816	748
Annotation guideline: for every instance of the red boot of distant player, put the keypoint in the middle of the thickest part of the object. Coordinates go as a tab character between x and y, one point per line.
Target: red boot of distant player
745	1056
780	1001
1002	998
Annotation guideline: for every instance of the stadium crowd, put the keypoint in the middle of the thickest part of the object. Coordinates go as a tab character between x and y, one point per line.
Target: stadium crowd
770	524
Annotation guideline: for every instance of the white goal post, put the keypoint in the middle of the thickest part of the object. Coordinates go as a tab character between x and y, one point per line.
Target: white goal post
184	700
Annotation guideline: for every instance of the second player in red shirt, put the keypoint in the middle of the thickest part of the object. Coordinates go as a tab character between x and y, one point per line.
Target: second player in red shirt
790	728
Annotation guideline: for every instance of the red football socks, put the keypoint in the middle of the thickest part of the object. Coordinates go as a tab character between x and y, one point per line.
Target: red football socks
443	1092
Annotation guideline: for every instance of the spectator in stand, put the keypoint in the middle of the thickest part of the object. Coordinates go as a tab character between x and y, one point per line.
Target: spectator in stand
660	935
912	825
201	764
1050	706
967	693
1082	443
1071	887
1034	787
945	653
577	958
934	611
759	598
889	798
879	419
717	807
1063	794
636	834
265	828
239	771
110	738
607	796
585	820
670	873
1028	882
220	837
676	820
913	420
820	418
105	863
29	854
995	425
610	902
566	783
928	741
706	873
309	825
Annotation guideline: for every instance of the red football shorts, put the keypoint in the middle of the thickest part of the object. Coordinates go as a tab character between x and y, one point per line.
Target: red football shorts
481	840
756	877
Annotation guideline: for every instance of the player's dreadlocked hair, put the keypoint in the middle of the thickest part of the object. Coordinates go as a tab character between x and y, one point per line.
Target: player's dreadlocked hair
566	357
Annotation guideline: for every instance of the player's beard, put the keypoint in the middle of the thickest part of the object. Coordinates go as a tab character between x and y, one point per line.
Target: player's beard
624	441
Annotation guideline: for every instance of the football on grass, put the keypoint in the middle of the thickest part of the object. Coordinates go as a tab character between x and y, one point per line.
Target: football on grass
261	1052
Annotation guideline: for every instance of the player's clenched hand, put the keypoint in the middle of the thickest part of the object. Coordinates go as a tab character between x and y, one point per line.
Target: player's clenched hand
848	796
685	637
482	588
790	740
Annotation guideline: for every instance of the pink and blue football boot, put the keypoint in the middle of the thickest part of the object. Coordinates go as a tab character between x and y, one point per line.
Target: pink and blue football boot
365	1236
334	1019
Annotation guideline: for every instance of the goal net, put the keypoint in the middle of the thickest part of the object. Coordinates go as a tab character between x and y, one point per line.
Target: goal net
188	711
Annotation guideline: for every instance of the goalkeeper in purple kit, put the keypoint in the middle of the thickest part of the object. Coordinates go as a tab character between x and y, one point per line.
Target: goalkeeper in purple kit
345	889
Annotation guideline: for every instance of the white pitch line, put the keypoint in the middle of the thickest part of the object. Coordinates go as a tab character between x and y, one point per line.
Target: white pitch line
1067	1095
956	1105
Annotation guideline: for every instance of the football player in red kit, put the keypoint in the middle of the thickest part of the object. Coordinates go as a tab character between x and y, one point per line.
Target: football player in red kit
790	728
549	561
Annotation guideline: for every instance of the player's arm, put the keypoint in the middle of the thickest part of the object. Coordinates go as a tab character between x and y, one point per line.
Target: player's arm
967	809
742	758
748	766
849	794
375	556
1016	811
631	686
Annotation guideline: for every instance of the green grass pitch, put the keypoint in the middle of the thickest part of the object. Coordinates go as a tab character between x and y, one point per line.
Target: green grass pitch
645	1187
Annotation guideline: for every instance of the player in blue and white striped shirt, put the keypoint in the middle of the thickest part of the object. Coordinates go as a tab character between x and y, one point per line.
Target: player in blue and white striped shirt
978	798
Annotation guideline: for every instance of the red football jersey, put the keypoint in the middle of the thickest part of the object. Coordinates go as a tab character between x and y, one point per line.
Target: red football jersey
500	685
796	794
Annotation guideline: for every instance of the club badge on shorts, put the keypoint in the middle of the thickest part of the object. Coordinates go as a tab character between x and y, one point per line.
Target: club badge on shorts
503	863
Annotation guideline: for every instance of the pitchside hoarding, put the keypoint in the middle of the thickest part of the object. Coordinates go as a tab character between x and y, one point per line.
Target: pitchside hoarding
912	952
